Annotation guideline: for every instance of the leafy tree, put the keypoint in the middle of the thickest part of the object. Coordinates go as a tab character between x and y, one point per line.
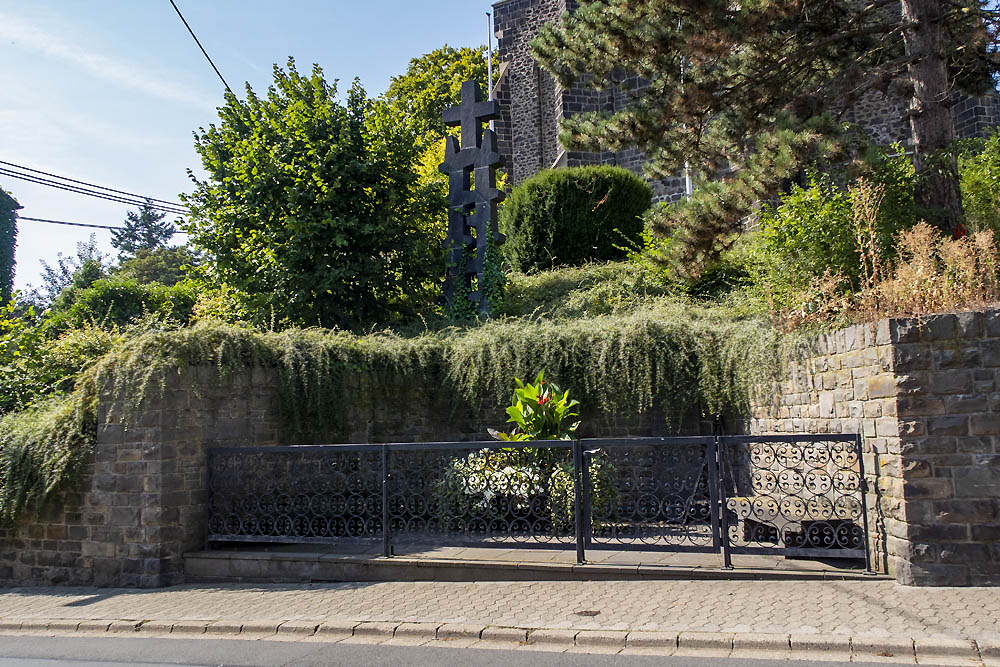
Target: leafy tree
754	90
8	243
311	209
78	271
167	265
433	82
145	230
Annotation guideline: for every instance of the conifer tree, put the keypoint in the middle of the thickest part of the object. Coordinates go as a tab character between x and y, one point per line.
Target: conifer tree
747	92
145	230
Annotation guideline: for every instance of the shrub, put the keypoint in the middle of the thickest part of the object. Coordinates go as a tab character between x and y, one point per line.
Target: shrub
573	216
810	232
933	273
979	168
119	302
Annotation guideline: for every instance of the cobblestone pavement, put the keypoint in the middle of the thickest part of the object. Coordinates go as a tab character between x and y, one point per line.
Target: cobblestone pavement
851	608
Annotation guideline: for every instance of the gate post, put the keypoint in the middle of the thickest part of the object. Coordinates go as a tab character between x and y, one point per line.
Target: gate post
864	504
727	556
386	538
579	483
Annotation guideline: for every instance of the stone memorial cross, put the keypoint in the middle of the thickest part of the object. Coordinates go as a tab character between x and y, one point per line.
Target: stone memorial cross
472	194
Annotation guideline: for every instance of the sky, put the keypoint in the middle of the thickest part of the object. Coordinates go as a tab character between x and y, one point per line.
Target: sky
110	91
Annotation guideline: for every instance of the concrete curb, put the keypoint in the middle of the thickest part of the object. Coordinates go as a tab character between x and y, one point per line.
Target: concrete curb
861	648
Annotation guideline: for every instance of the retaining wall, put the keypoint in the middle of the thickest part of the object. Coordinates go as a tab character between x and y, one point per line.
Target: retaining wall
926	397
924	394
142	500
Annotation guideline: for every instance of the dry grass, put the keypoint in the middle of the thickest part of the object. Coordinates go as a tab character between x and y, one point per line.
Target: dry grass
933	274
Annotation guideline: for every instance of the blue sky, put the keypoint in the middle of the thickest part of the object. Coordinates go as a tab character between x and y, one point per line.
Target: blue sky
109	91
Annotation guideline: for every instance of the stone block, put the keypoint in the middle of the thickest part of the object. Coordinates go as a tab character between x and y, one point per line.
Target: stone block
909	358
965	511
950	382
929	488
913	574
904	331
982	481
920	406
940	327
948	425
880	386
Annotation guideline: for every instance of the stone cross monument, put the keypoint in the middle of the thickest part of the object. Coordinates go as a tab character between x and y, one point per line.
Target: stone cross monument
472	194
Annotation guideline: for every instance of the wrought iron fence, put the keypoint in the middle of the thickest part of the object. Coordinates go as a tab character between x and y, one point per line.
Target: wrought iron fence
792	495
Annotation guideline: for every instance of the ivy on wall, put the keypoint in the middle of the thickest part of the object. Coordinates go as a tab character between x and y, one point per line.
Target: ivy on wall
8	243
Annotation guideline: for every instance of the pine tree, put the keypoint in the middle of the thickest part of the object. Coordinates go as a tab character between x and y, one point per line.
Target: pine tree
145	230
747	92
8	244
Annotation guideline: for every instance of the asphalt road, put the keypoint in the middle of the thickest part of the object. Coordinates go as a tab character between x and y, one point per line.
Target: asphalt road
83	652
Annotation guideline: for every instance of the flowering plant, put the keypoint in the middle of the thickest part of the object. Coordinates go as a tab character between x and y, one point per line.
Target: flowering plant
540	411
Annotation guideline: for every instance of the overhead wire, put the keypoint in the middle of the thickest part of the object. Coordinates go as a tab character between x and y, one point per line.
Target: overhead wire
177	210
80	224
198	42
90	185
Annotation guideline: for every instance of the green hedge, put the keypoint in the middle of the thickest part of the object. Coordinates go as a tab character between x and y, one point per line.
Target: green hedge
573	216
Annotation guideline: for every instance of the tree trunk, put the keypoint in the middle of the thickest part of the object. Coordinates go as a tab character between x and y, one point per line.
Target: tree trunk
932	122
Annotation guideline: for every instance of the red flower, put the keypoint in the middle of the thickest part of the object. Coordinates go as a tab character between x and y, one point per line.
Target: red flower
543	400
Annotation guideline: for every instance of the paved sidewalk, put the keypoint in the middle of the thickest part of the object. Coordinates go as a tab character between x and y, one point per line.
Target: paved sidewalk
873	620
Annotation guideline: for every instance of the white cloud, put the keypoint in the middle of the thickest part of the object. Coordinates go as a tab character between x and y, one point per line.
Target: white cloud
118	72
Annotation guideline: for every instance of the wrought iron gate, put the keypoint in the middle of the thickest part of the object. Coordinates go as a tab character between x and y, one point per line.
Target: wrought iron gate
792	495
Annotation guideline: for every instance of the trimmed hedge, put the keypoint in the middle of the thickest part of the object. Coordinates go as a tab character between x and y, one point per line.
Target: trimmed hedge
568	217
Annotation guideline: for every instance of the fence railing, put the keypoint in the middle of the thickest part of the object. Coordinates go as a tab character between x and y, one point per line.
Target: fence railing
793	495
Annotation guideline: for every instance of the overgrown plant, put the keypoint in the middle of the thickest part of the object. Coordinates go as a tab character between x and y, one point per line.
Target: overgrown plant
540	411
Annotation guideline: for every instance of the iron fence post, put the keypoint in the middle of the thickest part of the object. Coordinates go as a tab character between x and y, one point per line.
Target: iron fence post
386	532
727	556
864	504
578	502
210	455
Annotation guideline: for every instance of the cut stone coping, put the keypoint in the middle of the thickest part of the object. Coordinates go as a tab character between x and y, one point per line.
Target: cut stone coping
899	649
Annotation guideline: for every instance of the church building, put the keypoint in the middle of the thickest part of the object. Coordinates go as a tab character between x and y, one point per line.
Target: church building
532	103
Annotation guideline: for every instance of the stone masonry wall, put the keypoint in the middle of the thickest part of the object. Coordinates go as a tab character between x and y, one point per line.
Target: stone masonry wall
142	501
926	396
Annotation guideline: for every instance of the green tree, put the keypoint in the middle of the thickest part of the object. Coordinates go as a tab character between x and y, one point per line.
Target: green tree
8	244
311	209
80	271
167	265
433	83
755	90
146	229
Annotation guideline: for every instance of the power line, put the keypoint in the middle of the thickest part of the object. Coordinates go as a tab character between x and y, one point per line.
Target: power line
90	193
79	224
91	185
198	42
